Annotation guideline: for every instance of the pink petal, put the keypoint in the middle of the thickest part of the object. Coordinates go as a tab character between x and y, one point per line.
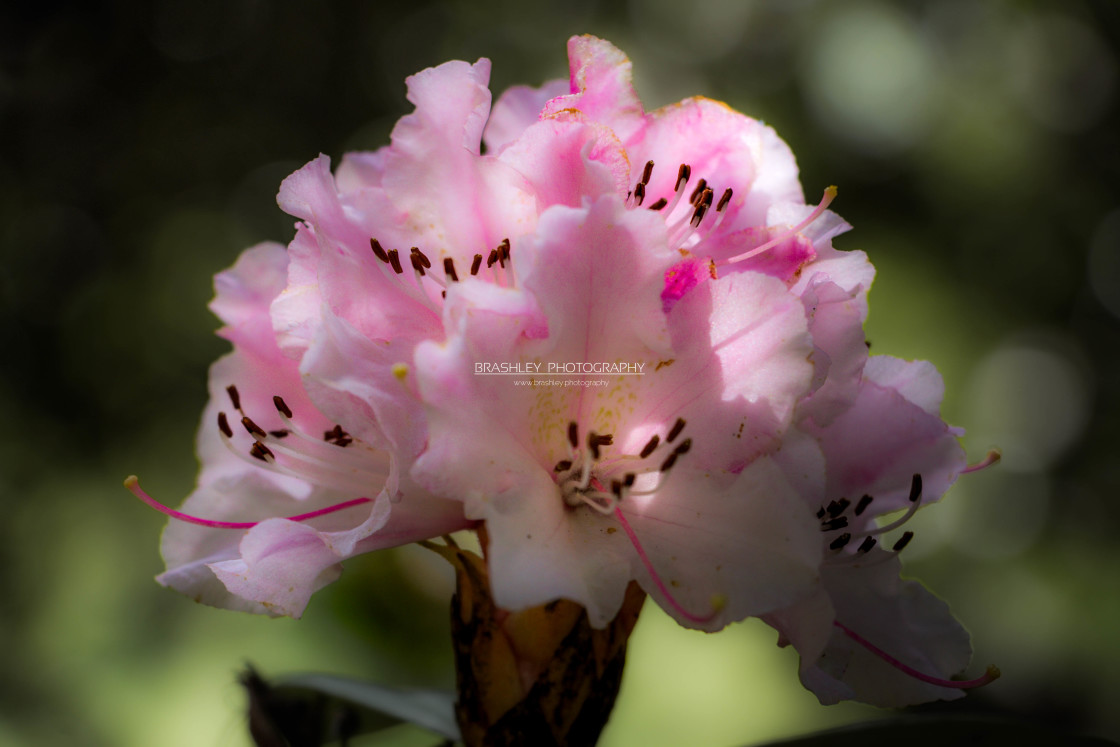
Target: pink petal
516	110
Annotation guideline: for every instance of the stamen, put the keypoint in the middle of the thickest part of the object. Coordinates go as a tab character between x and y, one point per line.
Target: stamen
662	202
915	488
837	507
132	483
492	258
683	447
639	194
669	462
684	173
993	457
255	430
378	250
864	502
717	603
573	434
647	172
694	198
449	269
839	522
989	676
826	200
675	430
563	465
234	397
724	200
477	263
903	541
649	447
418	261
262	452
281	406
223	425
395	261
594	441
866	545
915	504
840	541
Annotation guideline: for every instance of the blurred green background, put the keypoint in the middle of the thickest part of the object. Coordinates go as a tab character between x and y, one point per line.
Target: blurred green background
977	150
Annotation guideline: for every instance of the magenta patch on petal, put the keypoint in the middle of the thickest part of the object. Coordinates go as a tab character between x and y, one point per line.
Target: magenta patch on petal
679	280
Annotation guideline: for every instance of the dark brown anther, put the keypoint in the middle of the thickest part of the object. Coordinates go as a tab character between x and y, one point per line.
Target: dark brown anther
443	294
281	405
866	545
253	428
684	173
282	433
837	507
503	249
820	512
449	269
563	465
647	172
616	488
724	200
594	441
649	447
476	264
492	258
223	425
573	434
840	541
262	452
234	397
417	260
639	193
423	257
838	523
864	502
395	261
675	430
706	198
669	462
378	250
337	435
659	204
628	479
903	541
698	216
683	447
915	488
694	198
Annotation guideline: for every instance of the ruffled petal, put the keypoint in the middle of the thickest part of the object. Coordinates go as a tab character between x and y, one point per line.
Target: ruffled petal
899	617
516	110
745	550
884	439
601	86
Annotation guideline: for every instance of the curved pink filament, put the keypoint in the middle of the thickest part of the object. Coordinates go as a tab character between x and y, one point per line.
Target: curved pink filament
989	676
993	456
656	578
826	200
133	485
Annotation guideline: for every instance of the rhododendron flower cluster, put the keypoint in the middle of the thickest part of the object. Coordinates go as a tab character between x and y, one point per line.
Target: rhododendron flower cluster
725	439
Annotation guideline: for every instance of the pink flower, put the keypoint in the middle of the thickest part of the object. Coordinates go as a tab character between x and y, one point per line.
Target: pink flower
672	254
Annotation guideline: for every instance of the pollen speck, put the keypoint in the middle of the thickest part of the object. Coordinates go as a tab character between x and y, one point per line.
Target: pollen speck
400	370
